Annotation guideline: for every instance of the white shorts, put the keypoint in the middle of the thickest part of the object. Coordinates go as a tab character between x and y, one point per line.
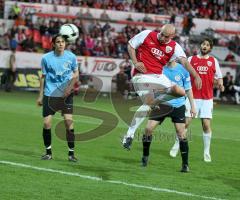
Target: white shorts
204	108
148	83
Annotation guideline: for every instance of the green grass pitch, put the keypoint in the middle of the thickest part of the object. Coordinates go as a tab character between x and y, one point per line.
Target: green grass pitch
119	171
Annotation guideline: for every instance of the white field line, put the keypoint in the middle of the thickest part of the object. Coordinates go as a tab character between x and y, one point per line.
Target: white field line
157	189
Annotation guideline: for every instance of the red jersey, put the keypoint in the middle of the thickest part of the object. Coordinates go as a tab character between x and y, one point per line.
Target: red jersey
208	69
152	53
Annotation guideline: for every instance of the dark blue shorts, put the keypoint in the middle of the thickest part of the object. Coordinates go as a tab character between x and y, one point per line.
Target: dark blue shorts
177	115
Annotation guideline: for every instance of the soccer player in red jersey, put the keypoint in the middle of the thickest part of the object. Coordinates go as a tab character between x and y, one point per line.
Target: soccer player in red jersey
208	69
149	52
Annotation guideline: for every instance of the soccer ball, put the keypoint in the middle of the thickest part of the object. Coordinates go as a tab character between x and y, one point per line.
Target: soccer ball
69	31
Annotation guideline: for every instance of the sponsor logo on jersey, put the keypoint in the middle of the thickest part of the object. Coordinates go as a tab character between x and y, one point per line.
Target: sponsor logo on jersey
157	53
168	49
202	69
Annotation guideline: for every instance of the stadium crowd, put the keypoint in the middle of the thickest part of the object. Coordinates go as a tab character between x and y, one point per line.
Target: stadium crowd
99	38
213	9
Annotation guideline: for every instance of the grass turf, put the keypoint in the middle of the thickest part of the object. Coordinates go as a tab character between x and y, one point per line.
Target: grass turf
21	142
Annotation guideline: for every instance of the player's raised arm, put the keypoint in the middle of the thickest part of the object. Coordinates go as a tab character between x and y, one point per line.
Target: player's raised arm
188	66
180	55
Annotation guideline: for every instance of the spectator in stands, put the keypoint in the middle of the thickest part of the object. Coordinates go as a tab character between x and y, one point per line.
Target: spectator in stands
127	6
221	13
230	57
122	83
94	28
89	42
112	49
98	49
147	19
105	44
28	44
106	27
20	20
15	11
38	23
228	84
80	45
129	18
97	4
187	24
79	14
127	67
3	28
234	44
236	88
112	34
135	30
172	18
52	29
87	14
13	42
11	71
19	35
234	12
104	15
4	42
43	28
1	9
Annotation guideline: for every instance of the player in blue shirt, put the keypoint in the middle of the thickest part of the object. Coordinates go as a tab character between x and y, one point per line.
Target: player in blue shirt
59	74
178	74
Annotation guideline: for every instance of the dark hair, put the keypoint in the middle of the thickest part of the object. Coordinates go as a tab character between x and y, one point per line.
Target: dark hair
56	36
54	40
208	40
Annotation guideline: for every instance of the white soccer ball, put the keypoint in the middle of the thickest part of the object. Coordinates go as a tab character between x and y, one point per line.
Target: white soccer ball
69	31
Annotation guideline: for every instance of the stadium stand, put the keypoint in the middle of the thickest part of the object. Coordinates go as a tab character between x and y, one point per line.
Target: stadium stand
219	10
123	27
105	34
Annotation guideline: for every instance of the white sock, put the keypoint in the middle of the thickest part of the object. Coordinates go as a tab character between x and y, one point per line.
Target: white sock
237	97
176	144
138	118
207	142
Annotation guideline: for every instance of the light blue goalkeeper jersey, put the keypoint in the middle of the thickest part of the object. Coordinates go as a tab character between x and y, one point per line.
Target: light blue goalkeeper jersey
181	77
58	71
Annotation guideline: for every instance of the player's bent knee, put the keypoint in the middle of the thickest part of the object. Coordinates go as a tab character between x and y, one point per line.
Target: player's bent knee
148	131
47	125
68	124
148	99
47	122
182	136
